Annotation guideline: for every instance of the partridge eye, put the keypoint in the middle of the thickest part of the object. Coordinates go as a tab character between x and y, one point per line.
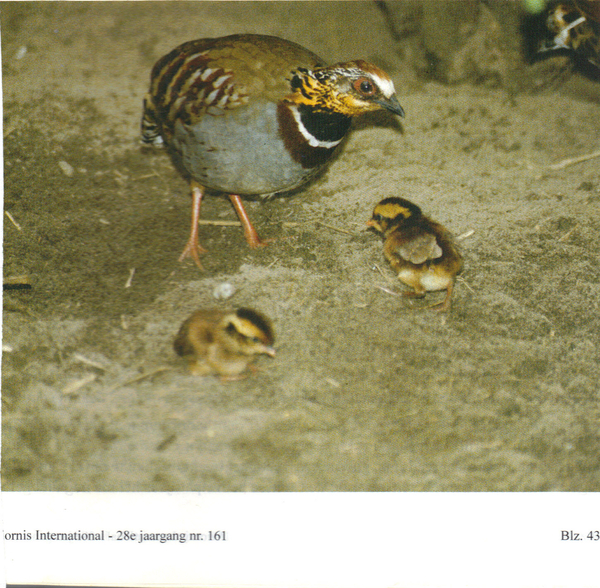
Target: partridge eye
364	87
377	218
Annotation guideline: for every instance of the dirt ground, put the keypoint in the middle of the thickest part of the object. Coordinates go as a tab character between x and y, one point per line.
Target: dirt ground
369	390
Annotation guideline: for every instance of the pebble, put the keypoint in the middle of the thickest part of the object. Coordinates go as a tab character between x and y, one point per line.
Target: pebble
66	168
224	291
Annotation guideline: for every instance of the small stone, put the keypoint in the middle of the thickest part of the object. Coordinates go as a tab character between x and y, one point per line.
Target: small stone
224	291
66	168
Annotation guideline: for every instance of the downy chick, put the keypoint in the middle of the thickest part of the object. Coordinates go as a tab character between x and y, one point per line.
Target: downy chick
421	251
224	343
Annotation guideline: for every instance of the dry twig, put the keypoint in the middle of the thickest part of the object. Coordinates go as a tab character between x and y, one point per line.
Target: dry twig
82	359
567	234
335	228
75	386
388	291
130	278
219	223
12	220
143	377
465	235
573	160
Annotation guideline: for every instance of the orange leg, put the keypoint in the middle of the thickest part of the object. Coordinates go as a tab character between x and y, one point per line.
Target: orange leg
445	305
193	248
249	231
417	290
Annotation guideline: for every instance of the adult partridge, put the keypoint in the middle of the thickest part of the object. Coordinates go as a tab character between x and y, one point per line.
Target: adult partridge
254	115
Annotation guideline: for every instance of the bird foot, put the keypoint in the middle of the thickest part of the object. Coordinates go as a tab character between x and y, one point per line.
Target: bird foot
440	306
445	304
193	249
256	243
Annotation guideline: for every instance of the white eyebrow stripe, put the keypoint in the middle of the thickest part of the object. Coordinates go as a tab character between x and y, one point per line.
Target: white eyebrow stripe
386	86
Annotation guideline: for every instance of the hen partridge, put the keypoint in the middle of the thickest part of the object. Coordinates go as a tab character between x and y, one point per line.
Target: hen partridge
421	251
254	115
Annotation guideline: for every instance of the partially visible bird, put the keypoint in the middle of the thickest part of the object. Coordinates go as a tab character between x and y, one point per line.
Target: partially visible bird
574	25
254	115
421	251
224	343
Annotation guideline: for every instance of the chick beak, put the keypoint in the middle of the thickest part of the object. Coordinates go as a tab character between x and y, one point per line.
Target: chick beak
270	351
391	104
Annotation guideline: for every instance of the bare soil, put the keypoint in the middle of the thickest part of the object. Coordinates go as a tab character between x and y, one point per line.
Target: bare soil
369	390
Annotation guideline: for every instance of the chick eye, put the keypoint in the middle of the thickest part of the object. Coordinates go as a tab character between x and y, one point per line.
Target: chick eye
377	218
364	86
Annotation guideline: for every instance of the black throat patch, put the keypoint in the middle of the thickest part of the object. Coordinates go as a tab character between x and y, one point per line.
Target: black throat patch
324	125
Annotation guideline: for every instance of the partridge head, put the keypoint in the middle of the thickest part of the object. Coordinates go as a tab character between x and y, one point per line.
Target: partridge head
255	115
420	250
575	25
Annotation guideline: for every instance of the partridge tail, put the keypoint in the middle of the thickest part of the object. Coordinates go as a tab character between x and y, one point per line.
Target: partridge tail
150	128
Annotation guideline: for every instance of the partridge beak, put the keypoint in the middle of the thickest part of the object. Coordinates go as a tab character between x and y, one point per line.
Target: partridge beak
391	104
270	351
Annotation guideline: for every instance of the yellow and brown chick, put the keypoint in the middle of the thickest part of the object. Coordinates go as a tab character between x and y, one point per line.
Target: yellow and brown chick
421	251
224	343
